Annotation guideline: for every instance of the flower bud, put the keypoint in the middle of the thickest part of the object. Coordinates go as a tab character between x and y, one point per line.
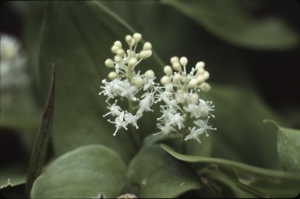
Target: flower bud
168	70
128	38
109	63
112	75
174	59
205	86
177	78
200	71
132	61
118	43
165	80
145	54
205	75
137	37
147	46
200	64
137	81
200	79
183	61
120	52
194	97
149	74
118	58
193	83
176	66
114	49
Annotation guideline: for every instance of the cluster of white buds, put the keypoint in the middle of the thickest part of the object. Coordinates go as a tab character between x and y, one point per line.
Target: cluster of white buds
180	95
126	83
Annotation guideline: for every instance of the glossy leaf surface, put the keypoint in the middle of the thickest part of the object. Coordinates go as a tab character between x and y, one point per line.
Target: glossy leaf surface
82	173
159	175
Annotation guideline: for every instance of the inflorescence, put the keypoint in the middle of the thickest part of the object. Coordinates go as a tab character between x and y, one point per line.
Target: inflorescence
178	91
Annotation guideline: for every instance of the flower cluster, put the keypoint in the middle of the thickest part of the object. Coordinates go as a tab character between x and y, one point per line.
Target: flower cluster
180	95
13	64
126	83
179	92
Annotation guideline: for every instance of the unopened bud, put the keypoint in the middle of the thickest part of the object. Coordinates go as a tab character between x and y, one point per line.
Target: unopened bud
168	70
132	61
149	74
147	46
205	86
183	61
165	80
109	63
137	37
200	64
112	75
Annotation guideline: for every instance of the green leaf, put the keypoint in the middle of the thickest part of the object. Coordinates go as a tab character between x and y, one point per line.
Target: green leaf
192	148
288	147
82	173
77	37
234	22
40	147
257	181
240	134
159	175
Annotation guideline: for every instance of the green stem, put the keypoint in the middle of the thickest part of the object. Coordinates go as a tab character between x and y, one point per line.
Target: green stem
185	133
133	130
186	121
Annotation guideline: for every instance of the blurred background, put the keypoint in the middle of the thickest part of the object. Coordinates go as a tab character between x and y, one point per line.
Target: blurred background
250	45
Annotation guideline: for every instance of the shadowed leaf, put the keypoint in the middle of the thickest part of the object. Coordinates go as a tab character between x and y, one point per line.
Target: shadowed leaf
40	147
288	147
256	181
234	22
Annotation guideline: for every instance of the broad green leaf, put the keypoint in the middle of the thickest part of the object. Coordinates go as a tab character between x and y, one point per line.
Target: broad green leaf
257	181
288	147
39	151
82	173
77	37
234	22
159	175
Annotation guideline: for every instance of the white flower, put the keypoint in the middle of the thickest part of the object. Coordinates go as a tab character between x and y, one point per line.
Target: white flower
146	102
194	110
203	125
194	134
132	119
176	119
119	122
206	107
165	130
114	109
